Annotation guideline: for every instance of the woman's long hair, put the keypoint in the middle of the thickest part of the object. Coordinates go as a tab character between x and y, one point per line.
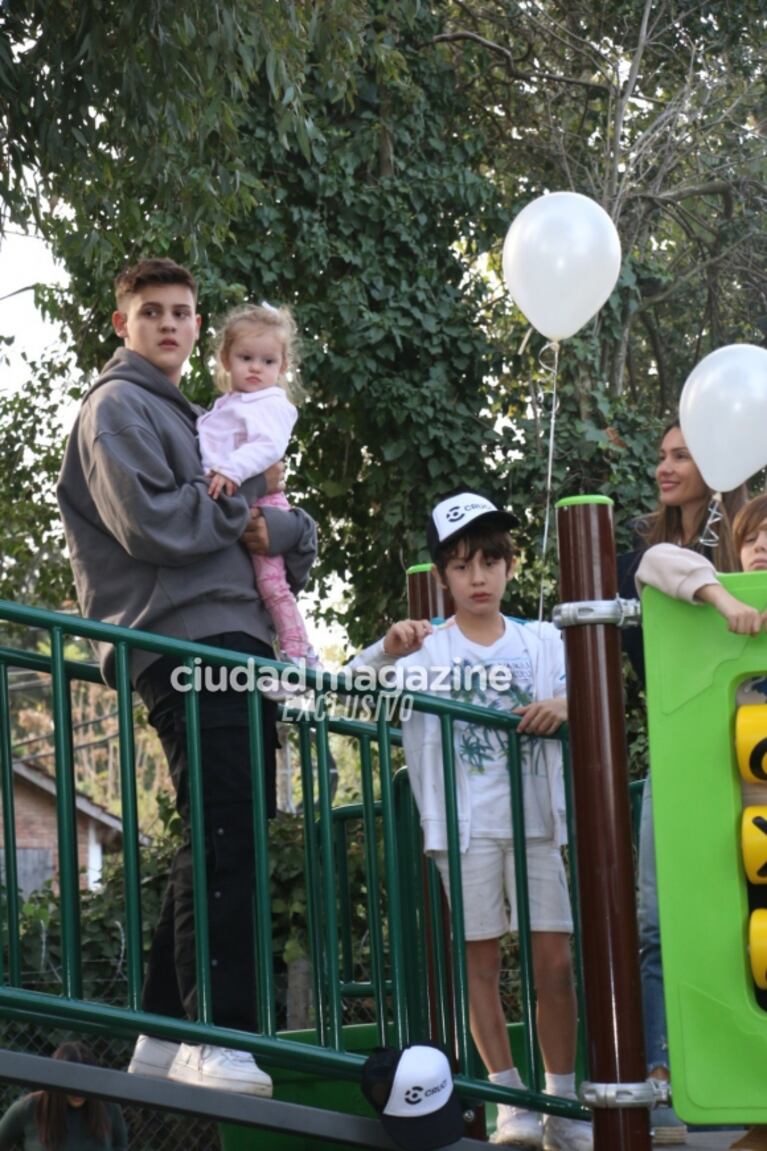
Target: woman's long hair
664	525
53	1108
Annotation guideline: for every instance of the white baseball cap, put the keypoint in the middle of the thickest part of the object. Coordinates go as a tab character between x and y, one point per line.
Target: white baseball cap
453	514
413	1091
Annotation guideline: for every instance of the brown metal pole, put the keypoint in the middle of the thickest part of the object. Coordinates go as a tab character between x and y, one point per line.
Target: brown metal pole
609	937
426	597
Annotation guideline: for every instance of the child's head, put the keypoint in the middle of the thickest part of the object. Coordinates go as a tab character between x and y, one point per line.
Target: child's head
156	313
469	541
749	534
465	521
257	347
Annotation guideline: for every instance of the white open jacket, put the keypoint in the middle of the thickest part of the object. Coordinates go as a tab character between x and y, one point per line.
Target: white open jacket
422	739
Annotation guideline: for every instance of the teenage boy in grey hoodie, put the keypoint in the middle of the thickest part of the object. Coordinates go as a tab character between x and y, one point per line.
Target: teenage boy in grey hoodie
150	549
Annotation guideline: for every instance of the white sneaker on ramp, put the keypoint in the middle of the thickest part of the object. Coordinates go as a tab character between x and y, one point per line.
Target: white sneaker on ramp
152	1057
563	1134
516	1127
223	1068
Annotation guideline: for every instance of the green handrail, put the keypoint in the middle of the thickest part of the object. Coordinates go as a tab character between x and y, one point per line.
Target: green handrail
402	927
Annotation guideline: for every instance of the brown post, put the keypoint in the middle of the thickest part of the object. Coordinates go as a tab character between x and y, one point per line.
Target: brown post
426	597
609	937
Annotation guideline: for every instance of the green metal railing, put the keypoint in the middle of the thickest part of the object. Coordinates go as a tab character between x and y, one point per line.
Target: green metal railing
417	980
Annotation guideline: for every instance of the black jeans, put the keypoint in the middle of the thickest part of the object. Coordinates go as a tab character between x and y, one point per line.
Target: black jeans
170	985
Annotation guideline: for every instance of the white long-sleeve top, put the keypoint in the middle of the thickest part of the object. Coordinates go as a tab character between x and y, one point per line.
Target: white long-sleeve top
244	433
421	733
677	572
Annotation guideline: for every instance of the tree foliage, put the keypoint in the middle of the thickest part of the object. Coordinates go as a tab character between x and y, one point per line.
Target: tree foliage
361	160
655	109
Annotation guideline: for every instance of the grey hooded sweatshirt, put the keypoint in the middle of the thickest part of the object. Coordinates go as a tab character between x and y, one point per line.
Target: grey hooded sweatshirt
149	548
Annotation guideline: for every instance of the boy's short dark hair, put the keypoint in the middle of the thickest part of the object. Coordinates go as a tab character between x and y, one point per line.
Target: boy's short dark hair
156	270
493	539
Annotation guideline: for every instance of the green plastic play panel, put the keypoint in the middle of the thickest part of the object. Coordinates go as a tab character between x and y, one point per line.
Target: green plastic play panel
717	1031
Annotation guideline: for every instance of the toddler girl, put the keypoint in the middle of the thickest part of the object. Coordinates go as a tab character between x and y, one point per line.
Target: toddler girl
246	431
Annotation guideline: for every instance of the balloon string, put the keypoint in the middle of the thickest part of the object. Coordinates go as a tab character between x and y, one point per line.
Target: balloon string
553	370
709	537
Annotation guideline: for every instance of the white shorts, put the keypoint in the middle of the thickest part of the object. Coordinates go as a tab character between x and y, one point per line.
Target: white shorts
489	891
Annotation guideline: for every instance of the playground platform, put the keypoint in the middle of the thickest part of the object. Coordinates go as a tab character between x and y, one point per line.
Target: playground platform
715	1140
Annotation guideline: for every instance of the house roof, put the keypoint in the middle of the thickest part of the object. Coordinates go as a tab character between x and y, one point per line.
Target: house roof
38	777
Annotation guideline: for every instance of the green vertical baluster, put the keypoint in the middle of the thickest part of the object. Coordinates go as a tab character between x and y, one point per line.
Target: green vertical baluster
523	905
465	1050
346	943
329	886
130	825
401	1022
313	893
377	965
443	1022
267	1011
411	872
199	870
11	897
67	823
574	895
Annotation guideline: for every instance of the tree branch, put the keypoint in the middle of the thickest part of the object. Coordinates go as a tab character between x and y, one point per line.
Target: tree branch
514	71
712	188
699	267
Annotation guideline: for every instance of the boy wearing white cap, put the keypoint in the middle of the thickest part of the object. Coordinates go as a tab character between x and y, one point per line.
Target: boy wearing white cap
508	665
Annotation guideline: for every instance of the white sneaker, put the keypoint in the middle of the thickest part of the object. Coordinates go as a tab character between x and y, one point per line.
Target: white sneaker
515	1126
219	1067
563	1134
152	1057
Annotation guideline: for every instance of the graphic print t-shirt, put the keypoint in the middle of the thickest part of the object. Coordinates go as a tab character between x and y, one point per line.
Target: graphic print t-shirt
502	678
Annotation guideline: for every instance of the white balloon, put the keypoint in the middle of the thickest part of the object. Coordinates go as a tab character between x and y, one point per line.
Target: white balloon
723	415
561	259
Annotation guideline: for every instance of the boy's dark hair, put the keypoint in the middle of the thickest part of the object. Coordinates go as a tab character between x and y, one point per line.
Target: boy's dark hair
491	538
156	270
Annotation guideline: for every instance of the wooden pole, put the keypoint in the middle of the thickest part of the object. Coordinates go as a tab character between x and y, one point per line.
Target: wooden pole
609	937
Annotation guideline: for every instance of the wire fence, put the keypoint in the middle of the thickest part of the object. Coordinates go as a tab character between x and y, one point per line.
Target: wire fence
151	1129
148	1129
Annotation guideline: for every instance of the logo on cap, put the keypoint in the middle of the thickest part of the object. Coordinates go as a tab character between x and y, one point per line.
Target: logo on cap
412	1089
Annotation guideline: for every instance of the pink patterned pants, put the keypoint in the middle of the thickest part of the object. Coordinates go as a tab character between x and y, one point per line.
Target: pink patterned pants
273	587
